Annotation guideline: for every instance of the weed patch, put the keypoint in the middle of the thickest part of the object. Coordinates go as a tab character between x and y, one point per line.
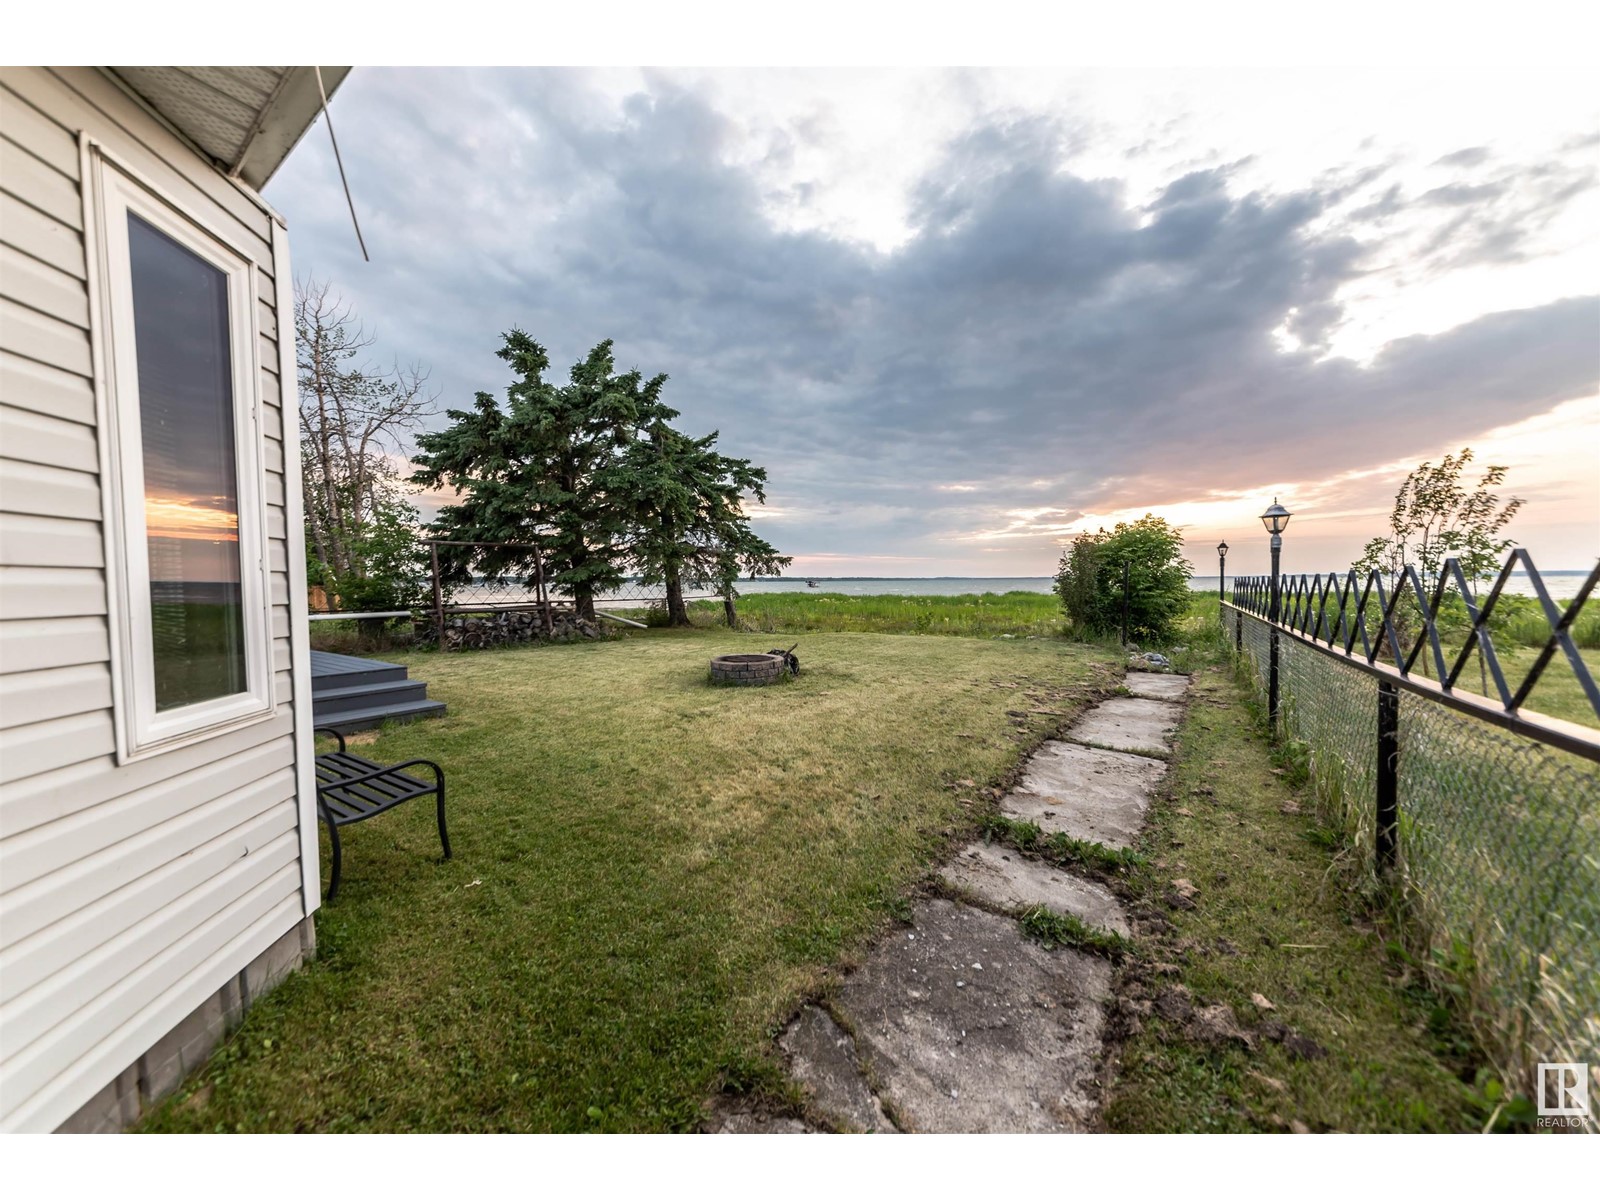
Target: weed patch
1064	929
1058	847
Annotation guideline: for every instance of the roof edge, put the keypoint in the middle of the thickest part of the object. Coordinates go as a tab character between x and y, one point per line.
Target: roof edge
283	121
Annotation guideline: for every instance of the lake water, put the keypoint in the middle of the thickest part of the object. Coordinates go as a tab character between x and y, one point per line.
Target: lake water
1561	584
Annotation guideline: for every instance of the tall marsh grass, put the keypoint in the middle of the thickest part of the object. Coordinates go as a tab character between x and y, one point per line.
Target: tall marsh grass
1014	614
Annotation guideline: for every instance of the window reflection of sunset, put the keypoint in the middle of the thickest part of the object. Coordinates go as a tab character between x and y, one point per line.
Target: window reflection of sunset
190	517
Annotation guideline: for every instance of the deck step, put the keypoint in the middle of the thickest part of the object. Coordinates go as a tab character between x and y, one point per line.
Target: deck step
371	718
332	701
378	673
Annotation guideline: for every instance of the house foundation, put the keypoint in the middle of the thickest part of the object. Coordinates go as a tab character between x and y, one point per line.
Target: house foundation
161	1070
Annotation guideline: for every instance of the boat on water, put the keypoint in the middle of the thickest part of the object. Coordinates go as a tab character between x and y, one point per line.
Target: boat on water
811	583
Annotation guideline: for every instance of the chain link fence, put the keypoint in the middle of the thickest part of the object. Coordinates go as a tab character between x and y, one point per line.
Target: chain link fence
1493	854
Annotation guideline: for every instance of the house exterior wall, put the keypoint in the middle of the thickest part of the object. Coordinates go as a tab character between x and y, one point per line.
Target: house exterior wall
131	896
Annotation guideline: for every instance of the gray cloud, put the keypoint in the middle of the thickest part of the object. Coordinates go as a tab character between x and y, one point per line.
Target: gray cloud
1042	337
1471	156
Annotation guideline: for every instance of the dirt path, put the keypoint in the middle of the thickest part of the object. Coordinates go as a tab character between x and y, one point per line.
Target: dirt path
962	1024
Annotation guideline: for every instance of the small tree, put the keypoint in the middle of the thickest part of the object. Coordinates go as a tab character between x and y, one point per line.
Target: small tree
1090	579
1435	518
361	534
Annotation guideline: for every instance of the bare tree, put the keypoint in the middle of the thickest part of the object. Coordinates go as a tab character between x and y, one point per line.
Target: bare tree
353	417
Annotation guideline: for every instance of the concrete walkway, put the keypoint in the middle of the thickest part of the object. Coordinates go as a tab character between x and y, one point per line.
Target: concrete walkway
960	1023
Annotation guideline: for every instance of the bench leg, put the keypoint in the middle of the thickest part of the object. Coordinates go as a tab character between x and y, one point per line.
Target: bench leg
444	835
333	883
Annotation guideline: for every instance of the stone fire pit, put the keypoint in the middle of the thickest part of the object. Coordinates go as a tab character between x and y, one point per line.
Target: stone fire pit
747	670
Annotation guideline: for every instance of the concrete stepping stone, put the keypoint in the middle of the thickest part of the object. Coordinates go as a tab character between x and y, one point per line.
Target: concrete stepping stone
823	1058
1089	794
969	1027
1151	686
1008	880
1129	723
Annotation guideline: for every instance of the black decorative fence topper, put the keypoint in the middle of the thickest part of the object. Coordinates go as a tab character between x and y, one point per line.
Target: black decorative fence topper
1338	614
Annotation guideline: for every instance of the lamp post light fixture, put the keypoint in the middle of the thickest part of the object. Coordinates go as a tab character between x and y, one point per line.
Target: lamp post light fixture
1276	519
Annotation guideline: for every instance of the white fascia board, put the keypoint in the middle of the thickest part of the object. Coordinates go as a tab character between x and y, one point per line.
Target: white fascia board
283	121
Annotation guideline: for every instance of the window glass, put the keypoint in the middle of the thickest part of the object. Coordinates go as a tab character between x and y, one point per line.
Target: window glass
191	494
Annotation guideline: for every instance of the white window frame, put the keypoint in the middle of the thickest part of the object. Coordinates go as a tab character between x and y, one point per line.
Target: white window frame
141	732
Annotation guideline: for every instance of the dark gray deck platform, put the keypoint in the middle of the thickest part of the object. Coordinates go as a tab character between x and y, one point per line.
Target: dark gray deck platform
349	693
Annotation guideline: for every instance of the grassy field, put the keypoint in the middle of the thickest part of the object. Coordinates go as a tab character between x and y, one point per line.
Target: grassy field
1019	614
650	873
1557	694
1269	920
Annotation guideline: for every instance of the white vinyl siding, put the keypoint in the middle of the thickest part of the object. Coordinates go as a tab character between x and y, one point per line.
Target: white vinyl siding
128	894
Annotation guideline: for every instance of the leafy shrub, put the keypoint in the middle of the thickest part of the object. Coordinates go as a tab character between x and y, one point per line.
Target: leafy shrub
1090	581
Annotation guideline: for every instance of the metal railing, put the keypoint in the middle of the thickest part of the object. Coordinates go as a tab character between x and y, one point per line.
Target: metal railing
1478	815
1305	606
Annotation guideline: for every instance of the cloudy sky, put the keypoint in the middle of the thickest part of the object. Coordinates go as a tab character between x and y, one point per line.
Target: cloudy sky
961	314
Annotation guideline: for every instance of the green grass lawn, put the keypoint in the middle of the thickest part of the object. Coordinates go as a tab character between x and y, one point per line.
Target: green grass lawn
650	873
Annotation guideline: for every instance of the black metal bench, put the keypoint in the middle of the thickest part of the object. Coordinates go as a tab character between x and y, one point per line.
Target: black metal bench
351	788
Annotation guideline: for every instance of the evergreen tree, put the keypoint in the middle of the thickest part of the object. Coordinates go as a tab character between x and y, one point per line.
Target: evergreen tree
541	471
594	473
691	528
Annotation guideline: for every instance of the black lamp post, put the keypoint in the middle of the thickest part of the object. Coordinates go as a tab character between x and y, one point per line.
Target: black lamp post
1222	574
1275	519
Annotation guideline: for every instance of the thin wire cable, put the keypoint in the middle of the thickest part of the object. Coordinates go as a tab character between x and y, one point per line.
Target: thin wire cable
339	160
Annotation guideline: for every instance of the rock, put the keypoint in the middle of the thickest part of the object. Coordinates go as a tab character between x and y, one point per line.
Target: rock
1012	882
1099	795
1180	902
